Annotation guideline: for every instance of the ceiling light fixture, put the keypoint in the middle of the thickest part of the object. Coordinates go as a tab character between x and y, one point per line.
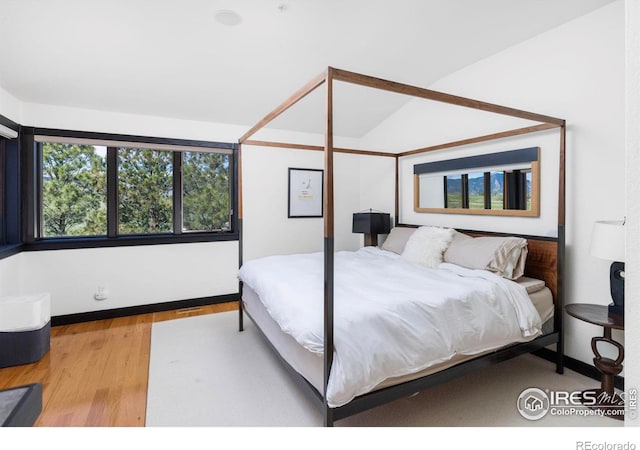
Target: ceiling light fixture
228	17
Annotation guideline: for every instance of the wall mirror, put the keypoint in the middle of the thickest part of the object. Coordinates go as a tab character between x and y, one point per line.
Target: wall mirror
504	183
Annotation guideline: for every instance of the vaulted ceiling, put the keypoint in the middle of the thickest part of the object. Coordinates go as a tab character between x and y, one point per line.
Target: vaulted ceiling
175	59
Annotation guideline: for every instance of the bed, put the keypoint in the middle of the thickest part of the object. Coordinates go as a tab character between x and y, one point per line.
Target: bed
350	356
397	322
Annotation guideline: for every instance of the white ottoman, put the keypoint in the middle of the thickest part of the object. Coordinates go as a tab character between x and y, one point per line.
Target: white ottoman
25	328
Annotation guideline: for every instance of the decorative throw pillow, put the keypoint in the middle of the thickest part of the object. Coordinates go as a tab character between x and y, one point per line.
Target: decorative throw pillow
505	256
397	239
427	245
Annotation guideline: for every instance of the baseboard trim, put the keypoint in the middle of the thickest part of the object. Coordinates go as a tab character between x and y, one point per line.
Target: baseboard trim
578	366
69	319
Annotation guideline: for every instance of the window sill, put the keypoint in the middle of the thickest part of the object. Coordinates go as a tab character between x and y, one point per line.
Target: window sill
126	241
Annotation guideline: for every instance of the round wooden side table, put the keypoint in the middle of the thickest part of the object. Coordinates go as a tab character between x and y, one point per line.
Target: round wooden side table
606	397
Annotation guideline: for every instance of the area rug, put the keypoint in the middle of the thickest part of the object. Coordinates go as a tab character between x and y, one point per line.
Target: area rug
204	373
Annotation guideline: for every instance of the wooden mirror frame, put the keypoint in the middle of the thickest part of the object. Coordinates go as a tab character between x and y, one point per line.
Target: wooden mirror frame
535	192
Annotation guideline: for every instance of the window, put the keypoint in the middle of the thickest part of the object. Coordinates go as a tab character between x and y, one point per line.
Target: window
74	190
145	191
102	189
205	188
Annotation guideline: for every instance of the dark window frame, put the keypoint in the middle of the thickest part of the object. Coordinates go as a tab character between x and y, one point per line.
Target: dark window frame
10	188
32	198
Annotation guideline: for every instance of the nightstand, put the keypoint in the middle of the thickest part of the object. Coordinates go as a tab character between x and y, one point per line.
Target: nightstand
606	397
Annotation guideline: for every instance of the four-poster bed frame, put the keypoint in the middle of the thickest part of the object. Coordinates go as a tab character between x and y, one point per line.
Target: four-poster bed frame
546	255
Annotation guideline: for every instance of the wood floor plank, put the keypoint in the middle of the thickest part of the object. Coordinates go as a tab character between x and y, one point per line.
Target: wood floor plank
96	373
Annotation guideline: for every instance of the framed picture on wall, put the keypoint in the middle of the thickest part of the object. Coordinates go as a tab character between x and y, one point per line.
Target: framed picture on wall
306	192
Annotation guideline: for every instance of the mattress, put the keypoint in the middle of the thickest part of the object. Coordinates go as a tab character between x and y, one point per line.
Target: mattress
310	364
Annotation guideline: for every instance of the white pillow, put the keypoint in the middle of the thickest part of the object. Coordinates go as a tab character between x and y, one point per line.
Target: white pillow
427	245
505	256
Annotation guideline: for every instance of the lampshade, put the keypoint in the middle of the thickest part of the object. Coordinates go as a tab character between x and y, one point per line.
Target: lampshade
608	240
371	223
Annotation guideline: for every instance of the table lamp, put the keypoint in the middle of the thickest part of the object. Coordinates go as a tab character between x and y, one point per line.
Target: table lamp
371	224
608	242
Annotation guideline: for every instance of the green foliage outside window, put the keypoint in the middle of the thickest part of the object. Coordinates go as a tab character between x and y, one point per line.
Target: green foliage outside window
205	187
74	191
145	191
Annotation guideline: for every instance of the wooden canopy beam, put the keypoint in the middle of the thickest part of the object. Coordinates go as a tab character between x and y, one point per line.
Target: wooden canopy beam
289	102
316	148
487	137
413	91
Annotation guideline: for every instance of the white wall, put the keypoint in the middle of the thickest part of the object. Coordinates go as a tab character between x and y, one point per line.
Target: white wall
575	72
360	182
377	184
11	272
266	228
10	106
132	275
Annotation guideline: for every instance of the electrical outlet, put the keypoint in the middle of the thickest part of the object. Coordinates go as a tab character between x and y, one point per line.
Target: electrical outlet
101	293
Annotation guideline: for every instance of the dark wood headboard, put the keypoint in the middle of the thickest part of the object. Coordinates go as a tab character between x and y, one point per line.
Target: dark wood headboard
542	258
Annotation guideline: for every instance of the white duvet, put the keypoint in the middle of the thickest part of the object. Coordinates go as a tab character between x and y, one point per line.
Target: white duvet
391	317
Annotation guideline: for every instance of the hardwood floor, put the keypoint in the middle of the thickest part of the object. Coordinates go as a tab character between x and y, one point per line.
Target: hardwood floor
96	373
